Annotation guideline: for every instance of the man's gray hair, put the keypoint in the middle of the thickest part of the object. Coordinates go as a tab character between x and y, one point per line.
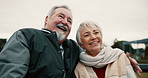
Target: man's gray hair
84	24
52	11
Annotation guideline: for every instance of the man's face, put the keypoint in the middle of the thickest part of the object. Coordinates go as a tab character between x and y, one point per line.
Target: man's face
61	22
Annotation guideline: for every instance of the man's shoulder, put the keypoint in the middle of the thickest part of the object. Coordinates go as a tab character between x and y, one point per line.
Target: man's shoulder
71	42
30	32
29	29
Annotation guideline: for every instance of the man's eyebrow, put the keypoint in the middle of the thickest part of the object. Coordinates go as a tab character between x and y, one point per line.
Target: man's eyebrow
64	15
61	14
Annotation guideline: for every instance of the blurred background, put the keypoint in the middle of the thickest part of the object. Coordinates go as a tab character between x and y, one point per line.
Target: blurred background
124	22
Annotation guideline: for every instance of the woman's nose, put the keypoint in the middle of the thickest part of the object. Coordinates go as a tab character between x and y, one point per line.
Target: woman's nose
93	36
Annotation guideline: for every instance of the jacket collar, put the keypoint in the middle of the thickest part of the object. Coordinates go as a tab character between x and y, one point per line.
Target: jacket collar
54	39
46	30
66	46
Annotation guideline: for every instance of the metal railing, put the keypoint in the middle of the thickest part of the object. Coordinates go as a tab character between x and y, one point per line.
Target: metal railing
144	67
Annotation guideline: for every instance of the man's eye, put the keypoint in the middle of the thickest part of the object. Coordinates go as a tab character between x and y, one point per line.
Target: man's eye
69	21
61	16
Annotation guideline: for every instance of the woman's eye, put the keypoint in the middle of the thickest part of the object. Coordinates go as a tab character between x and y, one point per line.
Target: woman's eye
96	32
86	35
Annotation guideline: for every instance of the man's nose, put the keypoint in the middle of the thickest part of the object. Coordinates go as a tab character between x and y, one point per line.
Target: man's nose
64	21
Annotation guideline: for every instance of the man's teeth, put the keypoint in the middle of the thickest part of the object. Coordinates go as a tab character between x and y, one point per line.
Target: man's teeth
62	27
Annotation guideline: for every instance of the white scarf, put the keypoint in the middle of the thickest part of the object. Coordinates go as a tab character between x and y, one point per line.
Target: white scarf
106	56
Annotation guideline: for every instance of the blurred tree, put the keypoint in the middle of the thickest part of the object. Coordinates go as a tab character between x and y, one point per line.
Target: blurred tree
146	51
2	43
118	44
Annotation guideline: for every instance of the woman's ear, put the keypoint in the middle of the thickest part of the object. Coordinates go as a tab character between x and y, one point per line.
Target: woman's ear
81	45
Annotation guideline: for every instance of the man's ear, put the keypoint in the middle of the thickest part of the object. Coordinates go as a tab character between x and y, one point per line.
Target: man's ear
46	20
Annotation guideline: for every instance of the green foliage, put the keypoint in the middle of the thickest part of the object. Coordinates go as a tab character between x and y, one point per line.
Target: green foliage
2	43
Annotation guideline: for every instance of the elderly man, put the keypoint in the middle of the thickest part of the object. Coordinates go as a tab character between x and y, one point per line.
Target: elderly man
45	53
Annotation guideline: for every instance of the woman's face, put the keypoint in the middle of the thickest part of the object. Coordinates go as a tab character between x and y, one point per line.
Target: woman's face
91	39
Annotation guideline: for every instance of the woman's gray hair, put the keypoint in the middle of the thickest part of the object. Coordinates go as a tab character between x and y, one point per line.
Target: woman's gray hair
52	11
84	24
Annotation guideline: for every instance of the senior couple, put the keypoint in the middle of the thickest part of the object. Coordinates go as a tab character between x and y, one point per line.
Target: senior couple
47	53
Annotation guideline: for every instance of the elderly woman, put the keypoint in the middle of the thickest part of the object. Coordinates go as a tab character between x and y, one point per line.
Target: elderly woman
98	61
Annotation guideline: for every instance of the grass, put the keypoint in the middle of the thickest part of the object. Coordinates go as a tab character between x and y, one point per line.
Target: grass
144	75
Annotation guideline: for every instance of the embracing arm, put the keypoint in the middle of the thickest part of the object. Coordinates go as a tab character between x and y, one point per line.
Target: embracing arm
134	64
14	58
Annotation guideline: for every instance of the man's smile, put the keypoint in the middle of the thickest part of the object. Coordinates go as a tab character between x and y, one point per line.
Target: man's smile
62	27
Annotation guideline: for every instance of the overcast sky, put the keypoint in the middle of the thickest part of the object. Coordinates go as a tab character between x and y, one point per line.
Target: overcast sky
121	19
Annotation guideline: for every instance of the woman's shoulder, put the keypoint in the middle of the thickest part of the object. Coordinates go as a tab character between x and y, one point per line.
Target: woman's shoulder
80	65
124	58
81	71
